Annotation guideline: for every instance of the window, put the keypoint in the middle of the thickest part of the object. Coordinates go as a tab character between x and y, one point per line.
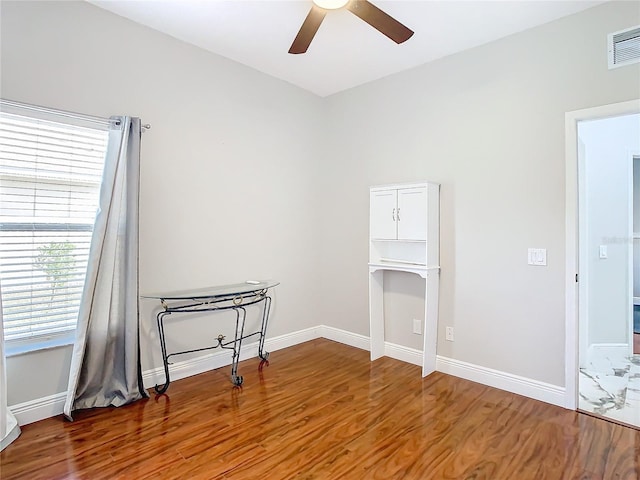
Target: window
50	175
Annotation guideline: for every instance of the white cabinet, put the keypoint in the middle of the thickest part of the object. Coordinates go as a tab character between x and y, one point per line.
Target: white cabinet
402	218
398	214
383	214
412	213
404	236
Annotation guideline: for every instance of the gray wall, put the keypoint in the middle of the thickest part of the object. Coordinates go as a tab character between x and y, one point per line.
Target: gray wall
488	124
403	301
236	164
228	181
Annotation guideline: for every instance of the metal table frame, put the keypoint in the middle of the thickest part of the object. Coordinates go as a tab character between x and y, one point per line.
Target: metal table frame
247	294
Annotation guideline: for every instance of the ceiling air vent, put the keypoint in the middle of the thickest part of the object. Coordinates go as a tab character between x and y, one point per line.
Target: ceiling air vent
624	47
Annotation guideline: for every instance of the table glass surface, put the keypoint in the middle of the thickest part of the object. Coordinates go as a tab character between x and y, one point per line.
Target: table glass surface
215	291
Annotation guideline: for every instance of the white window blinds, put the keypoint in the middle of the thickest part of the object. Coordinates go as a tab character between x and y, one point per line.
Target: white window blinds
50	176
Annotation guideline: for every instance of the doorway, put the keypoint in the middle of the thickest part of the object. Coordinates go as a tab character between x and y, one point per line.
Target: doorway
636	254
608	370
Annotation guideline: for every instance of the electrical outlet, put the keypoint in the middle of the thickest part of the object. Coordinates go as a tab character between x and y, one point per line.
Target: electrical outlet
417	326
449	333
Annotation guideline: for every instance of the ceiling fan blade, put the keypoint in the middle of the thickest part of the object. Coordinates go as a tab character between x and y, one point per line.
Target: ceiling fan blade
308	30
379	20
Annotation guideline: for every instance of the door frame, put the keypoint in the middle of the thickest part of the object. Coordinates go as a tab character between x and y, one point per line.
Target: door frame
633	156
572	251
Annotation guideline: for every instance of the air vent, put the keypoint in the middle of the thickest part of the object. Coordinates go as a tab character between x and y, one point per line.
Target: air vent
624	47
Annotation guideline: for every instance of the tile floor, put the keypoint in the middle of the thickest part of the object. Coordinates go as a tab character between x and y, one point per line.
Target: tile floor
610	387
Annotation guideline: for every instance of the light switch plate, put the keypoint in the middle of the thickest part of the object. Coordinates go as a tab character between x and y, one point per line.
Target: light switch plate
537	256
603	251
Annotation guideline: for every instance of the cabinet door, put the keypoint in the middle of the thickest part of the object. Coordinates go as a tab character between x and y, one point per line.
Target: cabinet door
412	213
382	216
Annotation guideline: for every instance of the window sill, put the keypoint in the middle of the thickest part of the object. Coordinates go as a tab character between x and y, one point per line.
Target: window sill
21	347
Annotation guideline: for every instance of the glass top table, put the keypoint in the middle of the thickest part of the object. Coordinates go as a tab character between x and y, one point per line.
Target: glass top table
233	297
249	286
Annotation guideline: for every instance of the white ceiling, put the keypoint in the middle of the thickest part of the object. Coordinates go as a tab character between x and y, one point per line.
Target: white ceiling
346	51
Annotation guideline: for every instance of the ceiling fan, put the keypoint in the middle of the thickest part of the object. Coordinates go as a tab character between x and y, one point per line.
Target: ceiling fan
368	12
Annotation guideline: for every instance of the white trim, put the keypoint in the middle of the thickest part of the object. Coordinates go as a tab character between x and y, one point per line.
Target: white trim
46	407
39	409
571	235
535	389
343	336
45	113
22	346
582	255
421	270
396	186
219	359
10	436
634	155
402	353
195	366
571	251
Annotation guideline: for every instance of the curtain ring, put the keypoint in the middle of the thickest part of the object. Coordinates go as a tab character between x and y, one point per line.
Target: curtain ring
237	300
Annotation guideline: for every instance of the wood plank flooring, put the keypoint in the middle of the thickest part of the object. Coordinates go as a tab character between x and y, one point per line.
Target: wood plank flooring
322	410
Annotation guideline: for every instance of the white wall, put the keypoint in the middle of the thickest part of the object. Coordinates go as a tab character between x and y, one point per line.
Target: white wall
609	145
488	124
229	168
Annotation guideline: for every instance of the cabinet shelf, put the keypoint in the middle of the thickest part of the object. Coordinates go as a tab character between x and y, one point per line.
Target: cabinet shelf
404	237
401	262
420	270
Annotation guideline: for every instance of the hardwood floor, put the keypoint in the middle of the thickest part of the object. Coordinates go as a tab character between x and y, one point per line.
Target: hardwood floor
322	410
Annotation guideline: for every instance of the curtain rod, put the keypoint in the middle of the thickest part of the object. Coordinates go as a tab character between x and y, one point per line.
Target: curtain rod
62	113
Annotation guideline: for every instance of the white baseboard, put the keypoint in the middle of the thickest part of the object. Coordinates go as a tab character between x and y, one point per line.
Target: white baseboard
342	336
527	387
399	352
45	407
222	358
402	353
39	409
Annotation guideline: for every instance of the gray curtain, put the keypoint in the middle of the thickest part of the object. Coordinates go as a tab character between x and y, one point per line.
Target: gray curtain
9	429
105	366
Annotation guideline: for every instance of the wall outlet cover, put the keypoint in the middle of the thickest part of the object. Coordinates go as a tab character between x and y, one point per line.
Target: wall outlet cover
417	326
449	334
